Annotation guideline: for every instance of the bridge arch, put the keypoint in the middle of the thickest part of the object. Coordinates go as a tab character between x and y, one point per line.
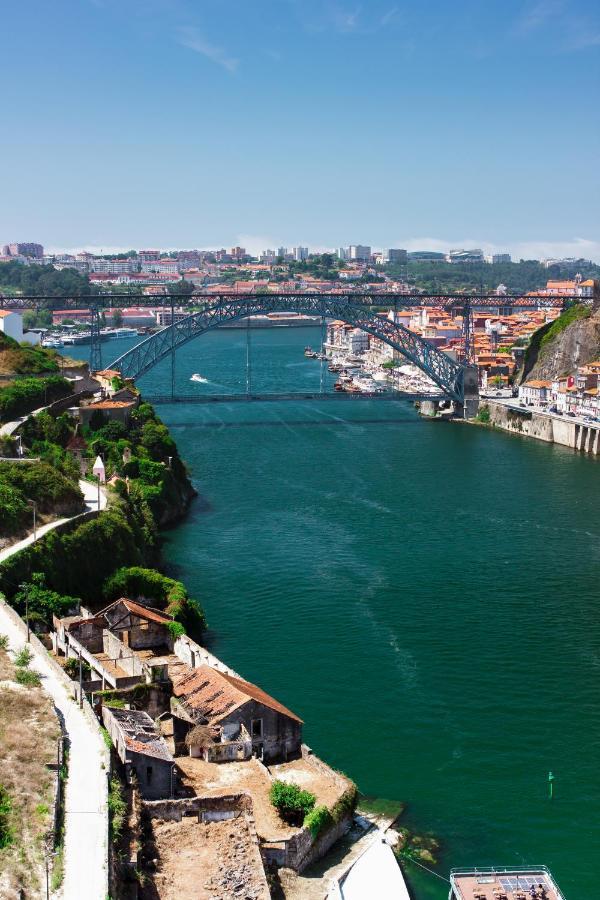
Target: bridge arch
450	376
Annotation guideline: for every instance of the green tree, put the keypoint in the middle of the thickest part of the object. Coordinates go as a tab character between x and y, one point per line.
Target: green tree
116	320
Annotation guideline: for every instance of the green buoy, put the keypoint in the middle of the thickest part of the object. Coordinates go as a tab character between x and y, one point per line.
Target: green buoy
550	784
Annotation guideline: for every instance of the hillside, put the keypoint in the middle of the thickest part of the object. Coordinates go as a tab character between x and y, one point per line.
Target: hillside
559	347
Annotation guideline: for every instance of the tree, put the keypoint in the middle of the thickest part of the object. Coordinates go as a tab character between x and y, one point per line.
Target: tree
40	602
117	318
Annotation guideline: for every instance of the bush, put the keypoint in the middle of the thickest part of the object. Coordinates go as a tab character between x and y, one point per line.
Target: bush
117	808
318	820
22	396
27	677
140	583
175	629
483	415
14	510
51	490
291	802
23	657
6	831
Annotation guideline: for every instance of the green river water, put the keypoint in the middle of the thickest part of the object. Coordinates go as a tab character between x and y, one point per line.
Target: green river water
424	594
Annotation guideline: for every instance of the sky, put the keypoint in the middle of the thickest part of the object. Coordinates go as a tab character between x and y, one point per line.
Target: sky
421	124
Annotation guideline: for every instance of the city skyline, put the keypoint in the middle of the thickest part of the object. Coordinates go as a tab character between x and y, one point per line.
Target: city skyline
304	123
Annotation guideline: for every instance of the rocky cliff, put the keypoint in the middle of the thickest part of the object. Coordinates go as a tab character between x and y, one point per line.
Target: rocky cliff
559	347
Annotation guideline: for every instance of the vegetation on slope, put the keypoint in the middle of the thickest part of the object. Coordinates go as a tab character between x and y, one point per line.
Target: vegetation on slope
25	359
23	396
54	494
151	488
442	277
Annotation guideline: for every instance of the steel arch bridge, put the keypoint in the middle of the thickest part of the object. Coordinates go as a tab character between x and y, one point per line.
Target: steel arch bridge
456	381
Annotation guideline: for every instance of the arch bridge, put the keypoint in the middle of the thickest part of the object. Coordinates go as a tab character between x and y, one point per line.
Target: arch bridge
456	381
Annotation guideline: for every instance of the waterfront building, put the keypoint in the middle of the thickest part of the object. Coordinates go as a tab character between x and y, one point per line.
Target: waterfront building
526	883
535	392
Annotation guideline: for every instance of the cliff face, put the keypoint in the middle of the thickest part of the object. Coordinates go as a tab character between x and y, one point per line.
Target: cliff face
559	347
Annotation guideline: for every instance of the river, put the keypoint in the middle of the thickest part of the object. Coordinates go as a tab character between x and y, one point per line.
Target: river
423	594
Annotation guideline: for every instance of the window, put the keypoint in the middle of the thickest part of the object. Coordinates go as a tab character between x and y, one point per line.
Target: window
148	774
257	728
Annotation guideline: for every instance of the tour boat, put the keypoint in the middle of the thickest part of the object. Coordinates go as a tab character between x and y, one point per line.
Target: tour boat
310	353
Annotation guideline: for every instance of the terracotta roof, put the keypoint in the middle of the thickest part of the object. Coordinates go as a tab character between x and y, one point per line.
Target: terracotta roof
537	383
215	694
109	404
138	609
5	312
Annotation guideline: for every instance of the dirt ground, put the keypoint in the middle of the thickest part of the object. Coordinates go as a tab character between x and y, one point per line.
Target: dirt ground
253	778
206	861
29	730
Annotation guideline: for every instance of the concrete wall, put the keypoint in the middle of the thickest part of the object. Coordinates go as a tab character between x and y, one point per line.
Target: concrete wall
552	429
193	655
123	656
153	775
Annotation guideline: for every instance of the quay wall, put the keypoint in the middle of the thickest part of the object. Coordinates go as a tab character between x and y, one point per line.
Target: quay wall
544	427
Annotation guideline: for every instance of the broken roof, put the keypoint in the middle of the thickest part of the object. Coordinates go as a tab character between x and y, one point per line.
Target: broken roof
216	694
139	732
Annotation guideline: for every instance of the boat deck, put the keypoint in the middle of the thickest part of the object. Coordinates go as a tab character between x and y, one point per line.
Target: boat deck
504	884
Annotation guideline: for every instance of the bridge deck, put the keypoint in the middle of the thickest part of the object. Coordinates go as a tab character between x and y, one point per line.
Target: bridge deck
292	395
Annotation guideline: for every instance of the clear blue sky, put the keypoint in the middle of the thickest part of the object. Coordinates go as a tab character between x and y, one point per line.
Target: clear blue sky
206	123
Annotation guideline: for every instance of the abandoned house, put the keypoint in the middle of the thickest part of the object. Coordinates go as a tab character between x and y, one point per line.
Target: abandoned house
242	719
142	751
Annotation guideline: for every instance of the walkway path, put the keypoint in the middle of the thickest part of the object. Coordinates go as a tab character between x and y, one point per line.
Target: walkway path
90	495
10	427
86	814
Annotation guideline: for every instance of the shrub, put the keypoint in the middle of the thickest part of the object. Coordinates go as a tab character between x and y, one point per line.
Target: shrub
318	820
483	415
14	510
291	802
3	642
27	677
117	808
176	629
6	831
23	657
41	601
166	593
27	394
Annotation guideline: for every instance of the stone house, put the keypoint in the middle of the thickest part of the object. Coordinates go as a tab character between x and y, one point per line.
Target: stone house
109	410
142	751
231	707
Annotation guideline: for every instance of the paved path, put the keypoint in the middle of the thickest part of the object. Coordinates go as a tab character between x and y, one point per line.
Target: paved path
10	427
86	816
90	495
86	813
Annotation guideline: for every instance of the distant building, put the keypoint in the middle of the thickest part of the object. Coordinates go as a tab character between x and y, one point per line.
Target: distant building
360	252
395	256
188	259
497	258
343	253
465	256
238	253
164	266
148	255
33	251
112	266
300	253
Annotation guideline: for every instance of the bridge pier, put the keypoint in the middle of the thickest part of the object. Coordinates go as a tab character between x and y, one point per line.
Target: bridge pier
429	408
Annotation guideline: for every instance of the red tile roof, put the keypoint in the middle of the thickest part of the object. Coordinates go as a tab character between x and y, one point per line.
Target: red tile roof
216	694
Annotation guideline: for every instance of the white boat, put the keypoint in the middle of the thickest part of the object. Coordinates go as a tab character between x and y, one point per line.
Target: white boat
50	342
375	874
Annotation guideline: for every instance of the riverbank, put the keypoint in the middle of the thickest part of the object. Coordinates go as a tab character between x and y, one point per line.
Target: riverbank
542	426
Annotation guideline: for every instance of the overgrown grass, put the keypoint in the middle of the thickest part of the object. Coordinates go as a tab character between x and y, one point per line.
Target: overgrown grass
573	314
58	869
117	808
29	730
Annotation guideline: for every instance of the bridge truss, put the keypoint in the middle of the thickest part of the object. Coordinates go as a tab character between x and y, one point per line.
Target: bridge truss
223	310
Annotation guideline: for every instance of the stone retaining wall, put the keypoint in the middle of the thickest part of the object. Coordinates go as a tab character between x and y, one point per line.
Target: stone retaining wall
552	429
